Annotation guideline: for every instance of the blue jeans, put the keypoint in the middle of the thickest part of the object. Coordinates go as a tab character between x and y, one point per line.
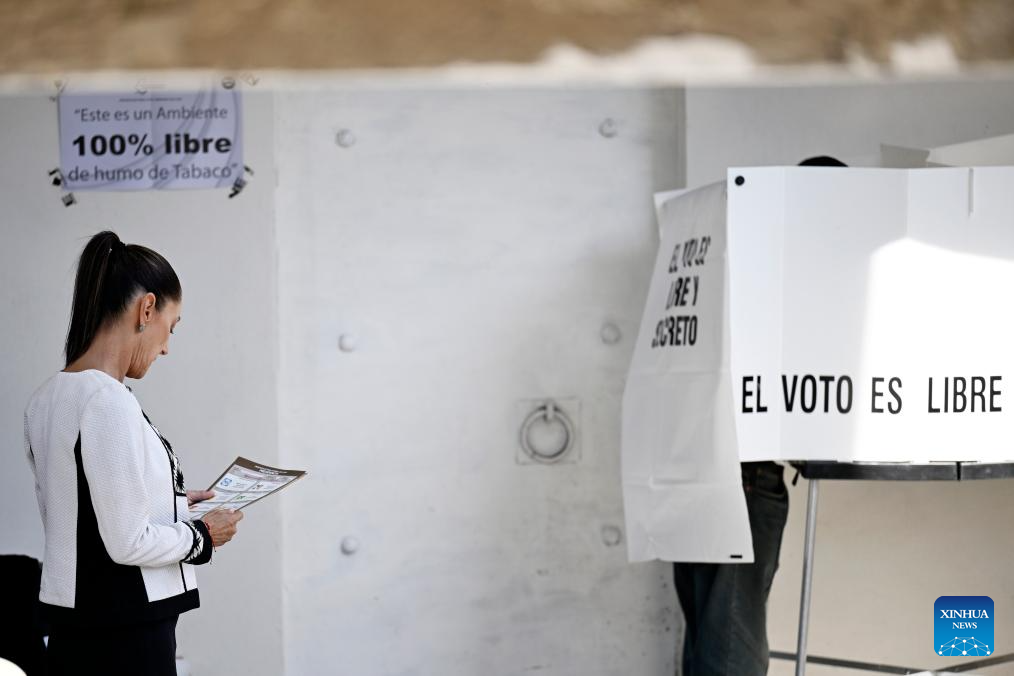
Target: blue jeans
725	605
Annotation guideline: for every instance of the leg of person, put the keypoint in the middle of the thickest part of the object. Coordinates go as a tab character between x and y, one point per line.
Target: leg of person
693	583
727	624
143	649
768	504
159	652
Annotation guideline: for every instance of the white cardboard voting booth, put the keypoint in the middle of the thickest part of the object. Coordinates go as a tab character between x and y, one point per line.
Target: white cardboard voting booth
994	151
815	313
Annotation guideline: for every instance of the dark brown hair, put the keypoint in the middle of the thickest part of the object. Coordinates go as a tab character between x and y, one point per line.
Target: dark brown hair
109	275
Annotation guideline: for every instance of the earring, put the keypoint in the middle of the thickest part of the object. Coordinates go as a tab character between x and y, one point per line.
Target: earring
140	328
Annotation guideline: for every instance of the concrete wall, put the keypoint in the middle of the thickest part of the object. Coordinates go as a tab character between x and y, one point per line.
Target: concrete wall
772	125
214	396
474	243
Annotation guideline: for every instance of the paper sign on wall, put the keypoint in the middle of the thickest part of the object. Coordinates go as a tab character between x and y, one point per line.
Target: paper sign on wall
156	140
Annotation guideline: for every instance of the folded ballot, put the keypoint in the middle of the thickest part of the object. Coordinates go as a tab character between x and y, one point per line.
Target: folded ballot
244	483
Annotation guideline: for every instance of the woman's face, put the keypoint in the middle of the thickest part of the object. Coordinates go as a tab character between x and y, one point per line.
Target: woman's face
154	340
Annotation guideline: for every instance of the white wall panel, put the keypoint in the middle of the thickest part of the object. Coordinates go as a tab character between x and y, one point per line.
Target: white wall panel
475	242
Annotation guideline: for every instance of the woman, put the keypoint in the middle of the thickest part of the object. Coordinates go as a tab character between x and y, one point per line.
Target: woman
120	545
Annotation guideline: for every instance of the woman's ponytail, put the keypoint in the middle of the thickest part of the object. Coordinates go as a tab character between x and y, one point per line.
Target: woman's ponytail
109	274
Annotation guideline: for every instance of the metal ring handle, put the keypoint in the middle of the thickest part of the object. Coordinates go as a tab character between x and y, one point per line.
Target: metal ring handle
551	413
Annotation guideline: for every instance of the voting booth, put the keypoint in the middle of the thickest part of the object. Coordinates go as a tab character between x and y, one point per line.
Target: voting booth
815	313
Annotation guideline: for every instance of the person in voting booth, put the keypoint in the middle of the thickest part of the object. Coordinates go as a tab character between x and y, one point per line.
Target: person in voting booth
725	605
120	547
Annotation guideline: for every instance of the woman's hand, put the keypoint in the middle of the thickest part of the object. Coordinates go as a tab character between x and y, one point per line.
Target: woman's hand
222	525
193	497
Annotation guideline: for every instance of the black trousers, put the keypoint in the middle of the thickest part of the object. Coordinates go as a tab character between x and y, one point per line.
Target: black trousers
725	604
143	649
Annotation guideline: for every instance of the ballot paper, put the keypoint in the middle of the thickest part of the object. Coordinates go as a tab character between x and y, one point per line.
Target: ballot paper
244	483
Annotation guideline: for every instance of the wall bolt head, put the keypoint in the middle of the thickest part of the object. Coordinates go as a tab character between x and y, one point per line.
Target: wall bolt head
609	128
345	138
347	342
610	333
611	536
